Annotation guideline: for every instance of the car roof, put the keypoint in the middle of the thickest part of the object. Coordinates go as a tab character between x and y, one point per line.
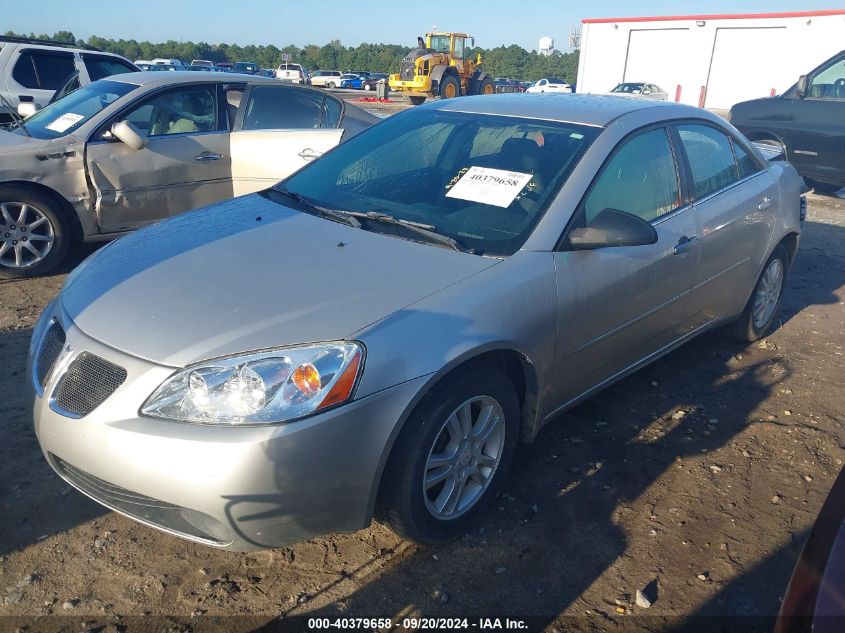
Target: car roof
169	78
595	110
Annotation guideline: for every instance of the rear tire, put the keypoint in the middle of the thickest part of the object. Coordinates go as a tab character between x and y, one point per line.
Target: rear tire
449	87
487	87
39	223
762	311
367	87
330	85
462	436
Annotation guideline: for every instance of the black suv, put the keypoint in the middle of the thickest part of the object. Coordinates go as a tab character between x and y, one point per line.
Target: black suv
807	121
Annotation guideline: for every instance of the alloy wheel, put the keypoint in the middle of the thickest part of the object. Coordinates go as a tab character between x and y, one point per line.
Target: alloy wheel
464	458
26	235
768	293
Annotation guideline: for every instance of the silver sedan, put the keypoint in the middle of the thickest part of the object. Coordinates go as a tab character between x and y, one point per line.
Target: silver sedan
377	334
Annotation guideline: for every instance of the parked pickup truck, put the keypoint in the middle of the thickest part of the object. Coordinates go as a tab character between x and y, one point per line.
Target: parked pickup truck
807	123
292	72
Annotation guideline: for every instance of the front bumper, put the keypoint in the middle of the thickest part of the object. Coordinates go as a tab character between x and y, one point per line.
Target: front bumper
237	488
420	83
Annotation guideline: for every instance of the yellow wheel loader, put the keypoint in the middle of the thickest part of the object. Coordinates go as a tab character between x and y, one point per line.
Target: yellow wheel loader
437	68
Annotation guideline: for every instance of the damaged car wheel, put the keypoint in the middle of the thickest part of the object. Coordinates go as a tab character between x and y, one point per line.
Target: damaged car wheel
34	233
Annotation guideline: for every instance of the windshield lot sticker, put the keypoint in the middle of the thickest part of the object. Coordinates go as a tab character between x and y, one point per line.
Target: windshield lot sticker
65	121
489	186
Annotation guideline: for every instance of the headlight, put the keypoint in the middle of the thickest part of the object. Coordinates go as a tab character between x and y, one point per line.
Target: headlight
260	388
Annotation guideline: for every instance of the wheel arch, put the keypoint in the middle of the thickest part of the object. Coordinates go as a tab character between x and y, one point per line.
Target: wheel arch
62	203
516	366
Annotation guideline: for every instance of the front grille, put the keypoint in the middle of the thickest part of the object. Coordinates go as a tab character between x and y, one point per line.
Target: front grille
183	521
51	347
87	383
407	67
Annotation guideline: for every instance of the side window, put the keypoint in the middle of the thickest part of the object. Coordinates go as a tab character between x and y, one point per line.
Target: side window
459	48
100	66
641	178
282	108
52	69
829	83
710	157
24	71
181	111
745	163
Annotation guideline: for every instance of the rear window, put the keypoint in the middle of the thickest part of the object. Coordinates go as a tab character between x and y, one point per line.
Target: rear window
100	66
482	180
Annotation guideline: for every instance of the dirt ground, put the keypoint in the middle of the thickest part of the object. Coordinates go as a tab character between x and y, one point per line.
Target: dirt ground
701	475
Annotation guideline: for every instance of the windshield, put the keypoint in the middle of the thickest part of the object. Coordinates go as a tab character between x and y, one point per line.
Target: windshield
483	180
68	113
629	88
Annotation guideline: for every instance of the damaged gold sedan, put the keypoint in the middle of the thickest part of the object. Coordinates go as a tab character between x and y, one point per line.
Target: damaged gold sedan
131	149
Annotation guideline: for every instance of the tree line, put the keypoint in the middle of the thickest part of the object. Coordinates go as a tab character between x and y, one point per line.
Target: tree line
503	61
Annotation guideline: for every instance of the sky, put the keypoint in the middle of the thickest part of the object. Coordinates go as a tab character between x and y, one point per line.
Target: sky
492	22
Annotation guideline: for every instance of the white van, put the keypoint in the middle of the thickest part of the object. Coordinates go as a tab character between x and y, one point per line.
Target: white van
167	62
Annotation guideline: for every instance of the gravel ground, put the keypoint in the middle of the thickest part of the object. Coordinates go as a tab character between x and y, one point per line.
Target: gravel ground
694	481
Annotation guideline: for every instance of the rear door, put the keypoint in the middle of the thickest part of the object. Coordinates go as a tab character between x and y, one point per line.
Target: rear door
185	164
619	305
817	131
37	74
278	130
734	197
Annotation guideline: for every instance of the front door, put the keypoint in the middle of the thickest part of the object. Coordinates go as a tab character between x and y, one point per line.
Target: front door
619	305
184	165
279	130
816	137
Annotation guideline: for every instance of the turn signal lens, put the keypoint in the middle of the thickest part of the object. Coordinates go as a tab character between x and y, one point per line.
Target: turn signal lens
306	378
342	389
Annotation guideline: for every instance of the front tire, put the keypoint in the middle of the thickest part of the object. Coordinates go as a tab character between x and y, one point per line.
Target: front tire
330	85
451	458
449	87
34	233
416	100
763	308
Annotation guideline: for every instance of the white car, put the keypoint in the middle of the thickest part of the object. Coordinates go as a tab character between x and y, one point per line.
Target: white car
550	85
326	78
292	73
640	89
32	70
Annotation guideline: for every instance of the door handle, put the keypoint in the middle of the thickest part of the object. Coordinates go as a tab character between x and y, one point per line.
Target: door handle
208	156
309	154
765	203
685	244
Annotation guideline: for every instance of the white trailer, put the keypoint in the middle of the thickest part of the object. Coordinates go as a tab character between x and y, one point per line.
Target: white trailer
711	61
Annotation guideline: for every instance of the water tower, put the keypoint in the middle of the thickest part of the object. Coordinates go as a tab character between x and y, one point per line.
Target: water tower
546	46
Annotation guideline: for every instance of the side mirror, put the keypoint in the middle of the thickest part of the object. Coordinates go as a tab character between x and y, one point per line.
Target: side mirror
28	108
801	86
612	227
128	134
472	42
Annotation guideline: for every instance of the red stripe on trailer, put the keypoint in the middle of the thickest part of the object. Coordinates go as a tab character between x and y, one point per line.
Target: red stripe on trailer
719	16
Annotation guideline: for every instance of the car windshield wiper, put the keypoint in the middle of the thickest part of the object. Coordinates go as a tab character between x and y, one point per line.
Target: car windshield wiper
428	231
344	217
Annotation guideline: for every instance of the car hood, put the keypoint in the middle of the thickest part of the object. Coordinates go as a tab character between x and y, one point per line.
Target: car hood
250	274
